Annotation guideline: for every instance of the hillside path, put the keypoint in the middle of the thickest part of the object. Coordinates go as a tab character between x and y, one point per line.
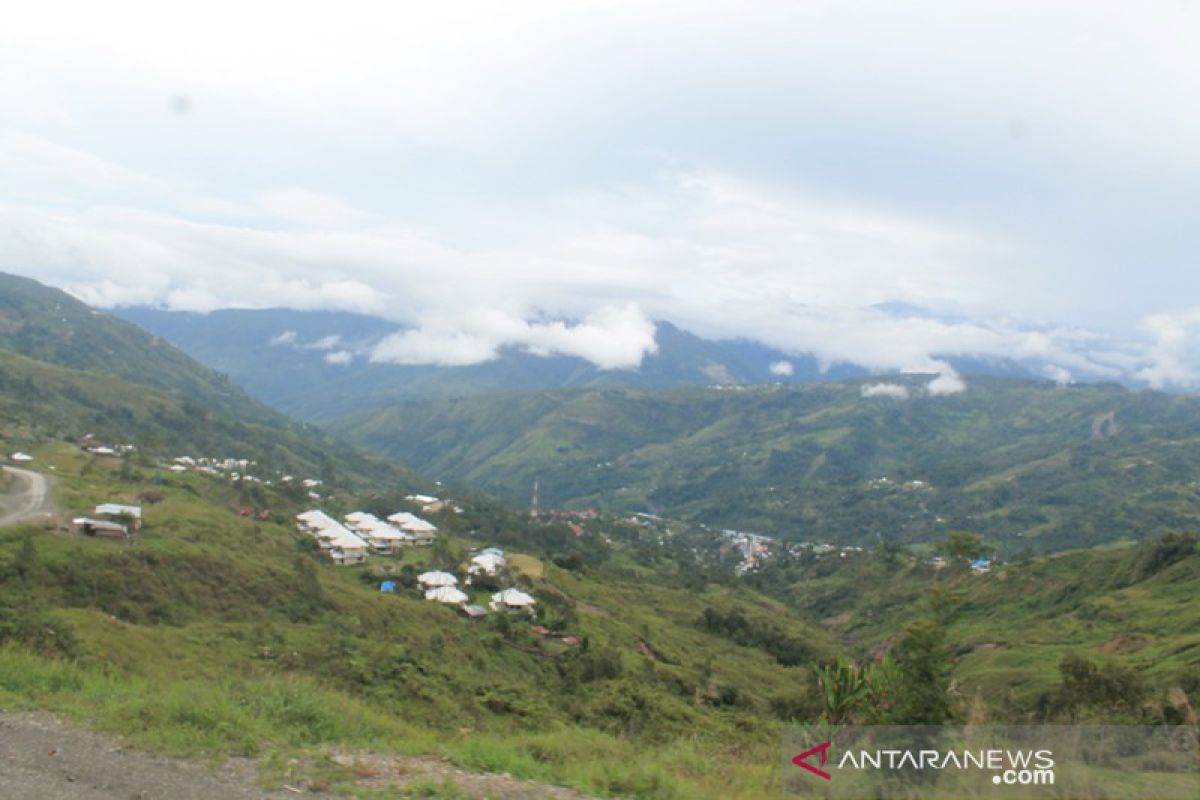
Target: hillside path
31	499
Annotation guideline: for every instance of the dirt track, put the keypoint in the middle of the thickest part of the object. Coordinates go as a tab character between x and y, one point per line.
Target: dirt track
44	758
31	499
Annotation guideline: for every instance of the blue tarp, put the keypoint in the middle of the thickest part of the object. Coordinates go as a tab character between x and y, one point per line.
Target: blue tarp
387	586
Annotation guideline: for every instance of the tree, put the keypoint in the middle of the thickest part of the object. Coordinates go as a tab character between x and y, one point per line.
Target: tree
962	546
922	676
843	688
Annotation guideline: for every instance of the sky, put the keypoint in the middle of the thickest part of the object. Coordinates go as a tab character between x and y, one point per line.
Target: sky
886	184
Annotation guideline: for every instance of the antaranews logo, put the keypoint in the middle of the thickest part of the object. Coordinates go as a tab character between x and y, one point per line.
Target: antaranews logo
802	760
1001	762
1011	767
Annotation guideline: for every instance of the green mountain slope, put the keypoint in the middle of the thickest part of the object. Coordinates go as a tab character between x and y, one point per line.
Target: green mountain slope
48	325
1026	464
67	371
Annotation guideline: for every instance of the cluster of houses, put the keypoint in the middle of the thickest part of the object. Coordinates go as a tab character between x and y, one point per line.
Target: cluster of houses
90	444
363	533
237	469
442	587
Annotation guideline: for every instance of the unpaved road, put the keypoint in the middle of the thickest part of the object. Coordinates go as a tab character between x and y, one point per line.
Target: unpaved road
44	758
30	498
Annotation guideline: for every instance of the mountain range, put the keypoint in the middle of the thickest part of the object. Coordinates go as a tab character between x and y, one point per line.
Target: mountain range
317	365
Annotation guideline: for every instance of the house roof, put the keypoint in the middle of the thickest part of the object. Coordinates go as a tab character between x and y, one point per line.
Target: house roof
411	522
117	509
447	594
488	562
512	597
436	578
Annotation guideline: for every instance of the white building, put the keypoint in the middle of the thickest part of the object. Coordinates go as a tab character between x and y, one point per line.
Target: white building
435	579
511	600
342	545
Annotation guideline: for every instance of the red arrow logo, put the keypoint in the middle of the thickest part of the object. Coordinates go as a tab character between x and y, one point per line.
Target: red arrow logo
802	760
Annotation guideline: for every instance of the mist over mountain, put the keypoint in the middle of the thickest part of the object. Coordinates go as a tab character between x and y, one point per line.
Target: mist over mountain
319	365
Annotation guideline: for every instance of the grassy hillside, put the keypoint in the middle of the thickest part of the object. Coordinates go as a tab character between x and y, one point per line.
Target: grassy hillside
1130	608
66	371
51	326
1027	464
219	634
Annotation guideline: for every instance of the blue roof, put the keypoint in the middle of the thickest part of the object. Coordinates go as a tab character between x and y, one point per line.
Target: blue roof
387	586
982	563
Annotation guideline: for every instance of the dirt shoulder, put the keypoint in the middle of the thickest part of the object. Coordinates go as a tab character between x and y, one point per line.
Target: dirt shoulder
42	757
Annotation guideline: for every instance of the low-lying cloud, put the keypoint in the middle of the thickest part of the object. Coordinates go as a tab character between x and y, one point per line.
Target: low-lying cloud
610	338
895	391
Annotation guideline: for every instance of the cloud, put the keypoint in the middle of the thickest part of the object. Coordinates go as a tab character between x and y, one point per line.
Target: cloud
287	337
325	343
312	209
611	338
781	368
946	383
1060	375
894	391
1173	357
339	357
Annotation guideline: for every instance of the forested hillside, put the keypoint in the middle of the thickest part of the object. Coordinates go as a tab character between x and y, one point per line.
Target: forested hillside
1026	464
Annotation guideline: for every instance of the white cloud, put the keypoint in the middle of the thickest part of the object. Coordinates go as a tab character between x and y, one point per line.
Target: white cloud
946	383
1060	375
287	337
481	174
339	357
1174	353
781	368
325	342
895	391
611	338
313	209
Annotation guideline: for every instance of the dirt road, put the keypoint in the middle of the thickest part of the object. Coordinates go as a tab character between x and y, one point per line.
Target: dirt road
44	758
30	499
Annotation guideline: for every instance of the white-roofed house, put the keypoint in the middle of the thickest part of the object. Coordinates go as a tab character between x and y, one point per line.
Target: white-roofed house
487	564
422	531
511	600
382	537
341	544
448	595
435	579
119	512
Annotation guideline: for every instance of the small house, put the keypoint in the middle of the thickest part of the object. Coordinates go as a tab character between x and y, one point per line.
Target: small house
511	600
435	579
981	566
100	529
448	595
474	612
117	511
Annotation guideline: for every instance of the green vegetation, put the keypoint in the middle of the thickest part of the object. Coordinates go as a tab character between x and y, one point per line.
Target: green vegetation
1103	634
652	667
221	634
1027	465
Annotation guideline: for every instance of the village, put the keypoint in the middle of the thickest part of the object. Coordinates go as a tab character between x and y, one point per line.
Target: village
354	539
